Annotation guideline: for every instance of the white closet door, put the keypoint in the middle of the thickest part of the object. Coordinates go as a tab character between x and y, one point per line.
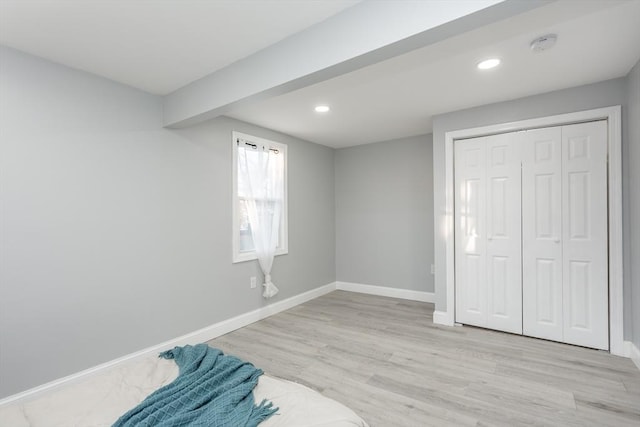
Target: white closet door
531	233
585	265
470	233
542	233
504	268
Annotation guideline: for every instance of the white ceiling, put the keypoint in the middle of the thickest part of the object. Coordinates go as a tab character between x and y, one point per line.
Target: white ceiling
155	45
162	45
596	41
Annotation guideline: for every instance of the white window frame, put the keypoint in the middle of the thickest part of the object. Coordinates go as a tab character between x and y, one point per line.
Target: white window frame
283	246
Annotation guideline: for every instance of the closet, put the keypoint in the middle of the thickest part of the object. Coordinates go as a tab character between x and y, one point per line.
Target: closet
531	233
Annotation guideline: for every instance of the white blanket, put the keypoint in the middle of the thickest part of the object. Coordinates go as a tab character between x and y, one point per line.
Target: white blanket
99	400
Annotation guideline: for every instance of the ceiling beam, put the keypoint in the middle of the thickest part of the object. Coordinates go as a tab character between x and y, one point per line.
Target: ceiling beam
362	35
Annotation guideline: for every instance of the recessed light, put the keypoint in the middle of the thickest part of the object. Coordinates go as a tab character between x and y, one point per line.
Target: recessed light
322	109
488	64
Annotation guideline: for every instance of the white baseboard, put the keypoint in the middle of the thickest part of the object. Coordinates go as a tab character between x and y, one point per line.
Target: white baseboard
634	354
201	335
442	318
386	292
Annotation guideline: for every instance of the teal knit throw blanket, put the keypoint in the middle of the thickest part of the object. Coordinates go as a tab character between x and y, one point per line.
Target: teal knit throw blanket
212	390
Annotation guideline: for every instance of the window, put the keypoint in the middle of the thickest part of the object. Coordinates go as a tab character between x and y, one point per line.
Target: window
247	152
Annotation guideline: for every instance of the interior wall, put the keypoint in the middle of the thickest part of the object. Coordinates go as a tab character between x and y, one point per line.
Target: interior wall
602	94
384	209
116	233
632	157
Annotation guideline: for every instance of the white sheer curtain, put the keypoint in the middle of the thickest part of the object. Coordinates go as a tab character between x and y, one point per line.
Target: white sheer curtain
261	185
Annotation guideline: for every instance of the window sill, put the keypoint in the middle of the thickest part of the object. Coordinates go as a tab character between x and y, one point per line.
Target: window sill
251	256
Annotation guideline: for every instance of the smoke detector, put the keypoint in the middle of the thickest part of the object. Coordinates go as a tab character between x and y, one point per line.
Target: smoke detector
543	43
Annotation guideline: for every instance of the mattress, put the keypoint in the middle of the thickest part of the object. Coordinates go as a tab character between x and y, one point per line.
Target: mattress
98	401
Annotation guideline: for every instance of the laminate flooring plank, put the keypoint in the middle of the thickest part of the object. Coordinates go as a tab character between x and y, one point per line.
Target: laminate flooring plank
553	406
554	375
399	410
603	416
330	368
452	369
454	401
632	384
614	403
385	359
587	385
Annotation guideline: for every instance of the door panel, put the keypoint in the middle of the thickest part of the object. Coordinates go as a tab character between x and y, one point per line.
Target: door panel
578	204
579	295
585	264
475	288
546	295
541	233
470	255
544	194
498	271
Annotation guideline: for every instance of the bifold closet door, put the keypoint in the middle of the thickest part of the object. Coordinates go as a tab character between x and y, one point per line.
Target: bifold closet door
471	242
564	234
584	236
542	233
488	259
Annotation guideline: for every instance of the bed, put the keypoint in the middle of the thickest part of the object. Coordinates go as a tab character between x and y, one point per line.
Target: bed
101	399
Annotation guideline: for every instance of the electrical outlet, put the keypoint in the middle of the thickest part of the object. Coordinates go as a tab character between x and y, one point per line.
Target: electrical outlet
254	282
433	269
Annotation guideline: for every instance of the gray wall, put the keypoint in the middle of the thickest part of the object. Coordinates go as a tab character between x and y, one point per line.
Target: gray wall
384	211
632	157
603	94
115	234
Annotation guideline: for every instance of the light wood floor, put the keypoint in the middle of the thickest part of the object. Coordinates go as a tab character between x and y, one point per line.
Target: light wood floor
385	359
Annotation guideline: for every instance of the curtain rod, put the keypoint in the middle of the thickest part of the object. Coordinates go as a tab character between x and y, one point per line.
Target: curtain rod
245	142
